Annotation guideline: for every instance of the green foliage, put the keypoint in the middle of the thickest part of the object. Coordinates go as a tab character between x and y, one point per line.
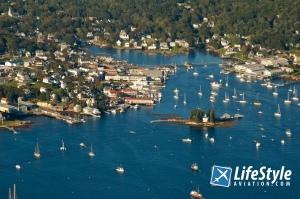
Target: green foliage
197	115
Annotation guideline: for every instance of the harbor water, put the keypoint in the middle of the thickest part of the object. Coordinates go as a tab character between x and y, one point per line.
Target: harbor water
156	161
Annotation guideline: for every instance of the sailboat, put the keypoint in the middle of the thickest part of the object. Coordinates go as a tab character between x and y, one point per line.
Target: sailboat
234	94
243	101
256	101
226	98
288	101
184	100
37	153
278	113
275	92
195	73
63	147
295	97
12	194
91	153
176	96
196	194
200	91
226	82
176	90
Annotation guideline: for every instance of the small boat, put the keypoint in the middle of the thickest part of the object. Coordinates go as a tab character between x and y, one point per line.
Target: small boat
120	170
195	73
206	135
194	167
234	94
226	99
215	85
176	96
288	132
257	144
288	101
295	97
275	92
212	99
176	90
282	142
18	167
260	112
212	140
211	76
82	145
184	100
91	153
243	101
269	85
175	106
196	194
187	140
278	113
187	65
226	84
136	107
37	153
256	101
200	91
63	147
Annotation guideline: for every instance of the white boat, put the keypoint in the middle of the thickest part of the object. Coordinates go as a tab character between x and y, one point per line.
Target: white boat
295	97
200	91
136	107
18	167
278	113
120	170
212	140
243	101
269	85
260	112
212	99
215	85
282	142
187	140
213	93
196	194
234	94
91	153
195	73
275	92
37	153
226	84
176	90
62	147
257	144
288	132
176	96
211	76
184	100
226	98
256	101
194	167
82	145
288	101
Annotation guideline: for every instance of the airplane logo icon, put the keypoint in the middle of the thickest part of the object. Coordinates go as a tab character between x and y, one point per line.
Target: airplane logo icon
220	176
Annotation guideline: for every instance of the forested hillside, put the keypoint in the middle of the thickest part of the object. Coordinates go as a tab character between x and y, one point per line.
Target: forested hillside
271	23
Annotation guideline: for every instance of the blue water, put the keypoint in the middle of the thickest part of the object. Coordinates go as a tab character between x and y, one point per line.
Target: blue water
157	163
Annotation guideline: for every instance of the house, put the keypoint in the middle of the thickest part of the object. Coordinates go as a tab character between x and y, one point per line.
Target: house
46	80
163	46
123	35
182	43
119	43
152	47
126	45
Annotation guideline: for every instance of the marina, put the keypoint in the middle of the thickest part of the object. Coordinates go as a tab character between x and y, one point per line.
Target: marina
111	139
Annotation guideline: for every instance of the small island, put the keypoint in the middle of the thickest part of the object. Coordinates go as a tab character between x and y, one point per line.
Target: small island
199	119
